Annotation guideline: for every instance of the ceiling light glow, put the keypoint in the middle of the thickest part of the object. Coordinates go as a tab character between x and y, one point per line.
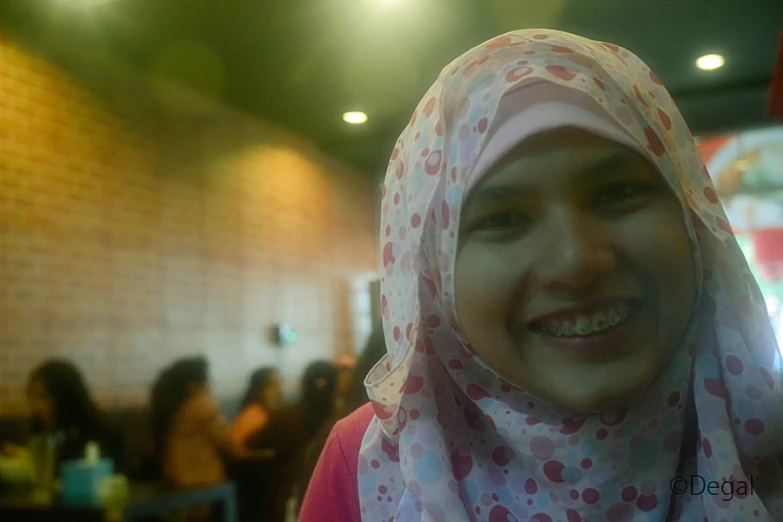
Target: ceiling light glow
710	62
354	117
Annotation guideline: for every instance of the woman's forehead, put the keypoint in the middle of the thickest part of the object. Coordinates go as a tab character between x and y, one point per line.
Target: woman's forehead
561	161
559	145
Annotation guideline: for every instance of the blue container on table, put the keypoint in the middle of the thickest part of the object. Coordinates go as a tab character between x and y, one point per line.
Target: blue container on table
80	481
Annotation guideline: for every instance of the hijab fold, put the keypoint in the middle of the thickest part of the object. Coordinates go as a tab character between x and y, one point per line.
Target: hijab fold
451	439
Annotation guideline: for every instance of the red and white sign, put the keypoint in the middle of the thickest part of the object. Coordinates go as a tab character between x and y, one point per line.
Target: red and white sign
747	169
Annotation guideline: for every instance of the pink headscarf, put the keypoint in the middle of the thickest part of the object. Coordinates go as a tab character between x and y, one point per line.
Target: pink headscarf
537	107
451	440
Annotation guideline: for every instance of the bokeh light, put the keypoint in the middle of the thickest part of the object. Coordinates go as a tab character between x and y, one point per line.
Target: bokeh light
355	117
710	62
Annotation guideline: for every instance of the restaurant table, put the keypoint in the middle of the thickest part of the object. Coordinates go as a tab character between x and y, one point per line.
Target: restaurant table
145	501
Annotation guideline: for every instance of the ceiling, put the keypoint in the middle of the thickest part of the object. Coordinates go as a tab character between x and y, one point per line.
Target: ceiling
302	63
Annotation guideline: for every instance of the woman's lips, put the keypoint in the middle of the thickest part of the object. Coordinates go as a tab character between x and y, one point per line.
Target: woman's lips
586	309
608	339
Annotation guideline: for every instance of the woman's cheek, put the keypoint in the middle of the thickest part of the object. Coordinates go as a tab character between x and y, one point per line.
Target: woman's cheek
484	280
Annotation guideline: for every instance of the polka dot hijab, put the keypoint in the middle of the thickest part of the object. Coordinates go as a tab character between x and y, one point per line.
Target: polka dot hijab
452	441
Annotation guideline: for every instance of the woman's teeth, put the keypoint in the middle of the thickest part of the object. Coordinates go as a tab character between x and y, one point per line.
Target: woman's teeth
583	325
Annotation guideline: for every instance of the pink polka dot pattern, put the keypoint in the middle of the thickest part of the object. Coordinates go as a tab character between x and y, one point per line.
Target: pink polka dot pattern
451	440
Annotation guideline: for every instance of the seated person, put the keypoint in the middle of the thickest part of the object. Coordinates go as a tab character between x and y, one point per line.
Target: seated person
354	397
192	437
64	419
289	431
263	394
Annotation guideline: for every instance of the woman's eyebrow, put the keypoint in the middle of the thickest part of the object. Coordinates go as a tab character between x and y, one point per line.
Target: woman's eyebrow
502	192
499	193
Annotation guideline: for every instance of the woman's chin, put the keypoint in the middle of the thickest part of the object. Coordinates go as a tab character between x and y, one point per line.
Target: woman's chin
600	400
603	406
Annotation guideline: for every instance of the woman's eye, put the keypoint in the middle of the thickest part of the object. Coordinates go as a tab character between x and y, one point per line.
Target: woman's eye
500	222
617	194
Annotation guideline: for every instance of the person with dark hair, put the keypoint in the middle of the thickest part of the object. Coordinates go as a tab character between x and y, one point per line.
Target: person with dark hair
346	367
355	397
63	415
288	433
319	385
192	437
263	394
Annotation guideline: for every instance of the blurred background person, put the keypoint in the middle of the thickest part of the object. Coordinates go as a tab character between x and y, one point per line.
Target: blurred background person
64	419
288	433
263	395
355	396
346	367
192	437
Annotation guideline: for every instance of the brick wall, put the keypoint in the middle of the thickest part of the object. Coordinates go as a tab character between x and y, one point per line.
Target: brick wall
139	223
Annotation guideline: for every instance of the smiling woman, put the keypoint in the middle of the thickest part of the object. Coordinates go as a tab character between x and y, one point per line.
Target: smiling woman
570	322
574	277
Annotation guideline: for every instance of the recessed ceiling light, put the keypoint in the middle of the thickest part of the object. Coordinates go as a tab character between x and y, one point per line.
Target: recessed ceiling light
710	62
354	117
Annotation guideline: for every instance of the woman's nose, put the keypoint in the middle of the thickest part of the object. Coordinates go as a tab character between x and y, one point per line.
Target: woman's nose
576	251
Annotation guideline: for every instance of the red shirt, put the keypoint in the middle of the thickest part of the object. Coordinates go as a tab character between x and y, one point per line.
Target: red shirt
333	493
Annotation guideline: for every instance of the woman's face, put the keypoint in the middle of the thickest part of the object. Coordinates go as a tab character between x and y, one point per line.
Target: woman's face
272	393
574	278
41	404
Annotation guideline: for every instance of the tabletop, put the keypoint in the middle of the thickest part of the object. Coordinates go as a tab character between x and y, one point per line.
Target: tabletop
145	500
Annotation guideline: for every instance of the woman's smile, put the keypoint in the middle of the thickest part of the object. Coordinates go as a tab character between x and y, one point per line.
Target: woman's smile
595	327
584	319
